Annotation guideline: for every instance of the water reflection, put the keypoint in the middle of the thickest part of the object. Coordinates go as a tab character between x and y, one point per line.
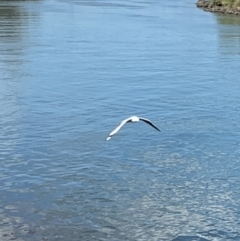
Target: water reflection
197	192
15	22
229	34
14	28
228	20
110	4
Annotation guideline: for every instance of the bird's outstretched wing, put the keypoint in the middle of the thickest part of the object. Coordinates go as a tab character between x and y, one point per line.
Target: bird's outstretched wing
148	122
117	128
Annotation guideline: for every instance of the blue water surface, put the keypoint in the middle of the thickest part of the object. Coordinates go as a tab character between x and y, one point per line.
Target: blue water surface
70	72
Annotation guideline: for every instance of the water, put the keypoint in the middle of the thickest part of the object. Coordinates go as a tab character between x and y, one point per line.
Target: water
70	71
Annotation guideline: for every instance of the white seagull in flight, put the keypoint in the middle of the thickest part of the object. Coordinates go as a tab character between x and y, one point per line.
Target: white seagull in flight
130	119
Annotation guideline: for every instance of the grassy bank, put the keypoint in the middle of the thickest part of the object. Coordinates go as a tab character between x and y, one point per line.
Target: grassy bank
220	6
226	3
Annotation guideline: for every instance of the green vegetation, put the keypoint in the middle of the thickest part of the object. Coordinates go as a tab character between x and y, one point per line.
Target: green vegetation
226	3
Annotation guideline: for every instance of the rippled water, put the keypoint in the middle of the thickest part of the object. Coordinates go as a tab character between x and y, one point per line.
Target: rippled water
70	71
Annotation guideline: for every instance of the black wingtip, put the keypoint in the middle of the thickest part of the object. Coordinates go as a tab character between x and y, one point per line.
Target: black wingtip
156	128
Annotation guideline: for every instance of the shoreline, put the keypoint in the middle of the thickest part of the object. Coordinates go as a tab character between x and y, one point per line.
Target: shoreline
208	6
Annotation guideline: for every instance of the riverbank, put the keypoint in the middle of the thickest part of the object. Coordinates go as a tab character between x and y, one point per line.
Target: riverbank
220	6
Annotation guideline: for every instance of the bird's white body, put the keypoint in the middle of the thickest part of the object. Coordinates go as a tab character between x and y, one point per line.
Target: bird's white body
130	119
134	119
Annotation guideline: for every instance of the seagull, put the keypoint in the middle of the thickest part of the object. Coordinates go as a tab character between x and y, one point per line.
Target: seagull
130	119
